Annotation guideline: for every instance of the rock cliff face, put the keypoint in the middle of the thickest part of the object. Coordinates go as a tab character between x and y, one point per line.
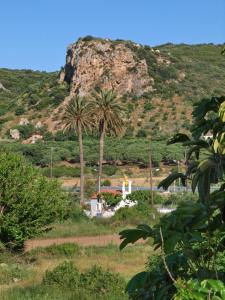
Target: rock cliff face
105	64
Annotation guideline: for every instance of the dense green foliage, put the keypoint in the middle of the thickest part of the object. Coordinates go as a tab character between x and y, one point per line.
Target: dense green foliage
26	89
127	150
134	215
94	281
28	201
195	290
110	199
144	197
61	171
191	238
202	65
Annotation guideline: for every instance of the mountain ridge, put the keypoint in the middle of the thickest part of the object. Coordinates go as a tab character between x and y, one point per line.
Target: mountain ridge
157	84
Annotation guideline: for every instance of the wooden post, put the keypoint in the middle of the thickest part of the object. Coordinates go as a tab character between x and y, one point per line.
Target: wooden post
150	174
51	163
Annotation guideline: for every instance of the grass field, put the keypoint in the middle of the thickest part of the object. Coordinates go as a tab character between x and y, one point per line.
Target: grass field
83	228
32	266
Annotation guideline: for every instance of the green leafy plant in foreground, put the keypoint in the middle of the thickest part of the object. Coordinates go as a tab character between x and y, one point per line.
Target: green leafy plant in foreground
195	290
191	238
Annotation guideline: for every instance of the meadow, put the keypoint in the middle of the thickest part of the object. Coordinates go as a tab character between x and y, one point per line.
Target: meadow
22	275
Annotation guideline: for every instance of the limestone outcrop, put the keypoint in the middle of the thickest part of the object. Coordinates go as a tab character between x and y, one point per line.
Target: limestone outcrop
105	64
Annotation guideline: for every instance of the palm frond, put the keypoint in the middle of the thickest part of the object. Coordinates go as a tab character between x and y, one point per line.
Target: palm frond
78	112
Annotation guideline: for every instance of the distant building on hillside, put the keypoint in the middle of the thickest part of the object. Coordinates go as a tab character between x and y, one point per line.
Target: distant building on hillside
24	121
207	136
15	134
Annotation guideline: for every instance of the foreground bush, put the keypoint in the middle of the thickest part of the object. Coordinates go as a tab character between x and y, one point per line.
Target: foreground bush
28	201
95	281
98	281
64	275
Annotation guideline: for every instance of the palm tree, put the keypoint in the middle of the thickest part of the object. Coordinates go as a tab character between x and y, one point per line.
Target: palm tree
109	115
77	117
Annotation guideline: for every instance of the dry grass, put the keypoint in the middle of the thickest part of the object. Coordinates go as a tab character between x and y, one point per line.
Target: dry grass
127	262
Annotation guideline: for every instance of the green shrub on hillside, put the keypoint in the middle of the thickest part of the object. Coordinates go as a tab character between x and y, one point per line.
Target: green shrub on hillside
147	107
141	133
26	131
19	111
65	136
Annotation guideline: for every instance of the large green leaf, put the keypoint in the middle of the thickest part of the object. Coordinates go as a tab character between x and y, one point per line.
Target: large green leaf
178	138
130	236
165	183
137	282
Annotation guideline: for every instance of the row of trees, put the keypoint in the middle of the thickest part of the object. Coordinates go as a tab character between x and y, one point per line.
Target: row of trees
101	112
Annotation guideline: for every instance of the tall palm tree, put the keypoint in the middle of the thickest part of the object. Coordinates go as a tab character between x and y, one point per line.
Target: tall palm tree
77	117
110	119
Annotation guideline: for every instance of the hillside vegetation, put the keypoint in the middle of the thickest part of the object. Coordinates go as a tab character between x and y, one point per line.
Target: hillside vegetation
181	75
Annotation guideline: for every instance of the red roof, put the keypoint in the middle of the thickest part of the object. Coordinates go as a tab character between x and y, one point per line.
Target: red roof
114	192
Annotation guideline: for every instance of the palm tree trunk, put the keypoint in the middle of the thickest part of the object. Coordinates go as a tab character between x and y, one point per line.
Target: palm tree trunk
81	165
101	151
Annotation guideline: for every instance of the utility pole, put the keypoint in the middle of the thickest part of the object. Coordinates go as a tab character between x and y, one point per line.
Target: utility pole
51	161
150	173
186	167
99	184
178	170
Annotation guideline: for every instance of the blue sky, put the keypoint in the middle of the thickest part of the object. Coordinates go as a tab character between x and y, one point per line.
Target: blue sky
34	34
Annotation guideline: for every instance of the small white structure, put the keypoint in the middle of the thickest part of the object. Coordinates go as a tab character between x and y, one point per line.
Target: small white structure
38	125
207	136
96	208
15	134
97	204
24	121
165	210
125	203
126	188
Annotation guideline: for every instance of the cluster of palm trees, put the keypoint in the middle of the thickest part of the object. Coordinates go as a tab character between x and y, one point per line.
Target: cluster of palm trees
102	113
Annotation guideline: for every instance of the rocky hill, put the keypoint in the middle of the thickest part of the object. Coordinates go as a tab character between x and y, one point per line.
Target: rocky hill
158	85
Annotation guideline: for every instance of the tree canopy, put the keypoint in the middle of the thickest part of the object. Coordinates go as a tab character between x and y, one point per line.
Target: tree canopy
29	202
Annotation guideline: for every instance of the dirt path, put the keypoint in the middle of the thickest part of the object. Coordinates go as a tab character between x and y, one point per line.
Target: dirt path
101	240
